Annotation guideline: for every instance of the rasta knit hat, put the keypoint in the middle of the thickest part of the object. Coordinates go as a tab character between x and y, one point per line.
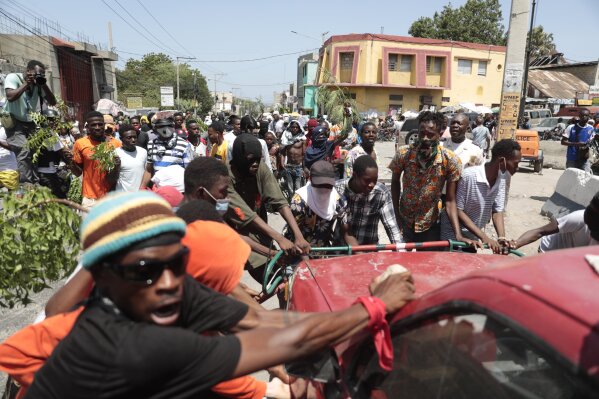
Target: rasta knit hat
121	220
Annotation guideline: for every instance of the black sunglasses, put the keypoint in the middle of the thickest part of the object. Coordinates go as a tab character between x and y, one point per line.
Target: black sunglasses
147	272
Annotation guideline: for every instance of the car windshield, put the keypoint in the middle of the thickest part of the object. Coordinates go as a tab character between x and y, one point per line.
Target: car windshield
548	122
462	356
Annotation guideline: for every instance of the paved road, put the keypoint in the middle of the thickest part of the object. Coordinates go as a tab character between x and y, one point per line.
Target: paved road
528	193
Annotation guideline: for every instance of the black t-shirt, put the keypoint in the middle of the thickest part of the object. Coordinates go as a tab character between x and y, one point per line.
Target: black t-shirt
107	355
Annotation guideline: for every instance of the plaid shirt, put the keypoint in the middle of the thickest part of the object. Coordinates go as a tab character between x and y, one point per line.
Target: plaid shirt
365	211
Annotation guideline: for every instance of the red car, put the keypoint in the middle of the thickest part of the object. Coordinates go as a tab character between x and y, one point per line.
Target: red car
483	326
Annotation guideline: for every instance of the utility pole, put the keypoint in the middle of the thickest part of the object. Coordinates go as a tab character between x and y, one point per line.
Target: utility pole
220	75
178	93
513	70
527	58
112	63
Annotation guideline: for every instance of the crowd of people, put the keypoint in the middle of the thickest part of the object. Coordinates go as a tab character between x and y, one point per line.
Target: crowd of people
184	211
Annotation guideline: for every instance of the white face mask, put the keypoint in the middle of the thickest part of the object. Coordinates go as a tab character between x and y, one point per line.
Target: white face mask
222	205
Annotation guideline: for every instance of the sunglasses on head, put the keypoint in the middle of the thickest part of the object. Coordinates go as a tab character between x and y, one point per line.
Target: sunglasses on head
148	271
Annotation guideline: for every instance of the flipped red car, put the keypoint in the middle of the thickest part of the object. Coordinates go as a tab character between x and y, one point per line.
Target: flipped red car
483	326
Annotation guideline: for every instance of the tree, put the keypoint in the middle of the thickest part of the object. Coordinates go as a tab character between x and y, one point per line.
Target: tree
477	21
541	43
144	77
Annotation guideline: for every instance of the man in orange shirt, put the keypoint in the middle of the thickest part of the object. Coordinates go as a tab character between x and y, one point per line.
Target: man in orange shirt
95	182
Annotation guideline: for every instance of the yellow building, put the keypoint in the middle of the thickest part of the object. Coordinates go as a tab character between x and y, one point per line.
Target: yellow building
384	72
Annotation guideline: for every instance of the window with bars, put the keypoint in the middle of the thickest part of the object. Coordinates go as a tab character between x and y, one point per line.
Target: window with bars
393	62
347	60
434	64
406	63
464	67
395	97
482	68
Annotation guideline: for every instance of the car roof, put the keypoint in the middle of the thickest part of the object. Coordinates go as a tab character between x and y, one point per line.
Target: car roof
565	279
340	280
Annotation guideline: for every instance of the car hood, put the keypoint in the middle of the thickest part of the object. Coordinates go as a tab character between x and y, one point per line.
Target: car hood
335	283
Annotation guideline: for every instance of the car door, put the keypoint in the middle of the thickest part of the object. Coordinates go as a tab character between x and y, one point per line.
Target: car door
466	355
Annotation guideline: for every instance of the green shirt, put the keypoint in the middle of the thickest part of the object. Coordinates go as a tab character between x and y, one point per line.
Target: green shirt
27	102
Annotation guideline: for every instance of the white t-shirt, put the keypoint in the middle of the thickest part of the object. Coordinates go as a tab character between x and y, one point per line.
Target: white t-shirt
8	160
573	232
133	165
469	153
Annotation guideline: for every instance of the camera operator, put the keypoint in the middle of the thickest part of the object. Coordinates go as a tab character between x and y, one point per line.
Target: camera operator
25	93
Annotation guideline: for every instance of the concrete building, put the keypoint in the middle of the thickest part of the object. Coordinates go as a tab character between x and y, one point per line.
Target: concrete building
307	66
385	72
224	100
78	73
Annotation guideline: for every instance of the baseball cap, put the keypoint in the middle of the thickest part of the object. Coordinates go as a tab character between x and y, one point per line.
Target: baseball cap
322	172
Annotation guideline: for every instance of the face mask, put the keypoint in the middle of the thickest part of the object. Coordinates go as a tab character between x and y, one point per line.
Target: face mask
221	206
506	173
165	131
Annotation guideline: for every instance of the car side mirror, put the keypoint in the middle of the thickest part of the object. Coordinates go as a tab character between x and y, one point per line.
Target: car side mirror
321	367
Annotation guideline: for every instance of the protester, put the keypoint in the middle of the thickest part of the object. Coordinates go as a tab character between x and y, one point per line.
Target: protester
577	137
291	158
577	229
110	128
25	93
312	123
9	170
425	167
133	161
369	202
366	147
198	144
481	136
166	150
469	153
324	144
252	189
481	195
318	208
95	183
66	138
273	151
216	132
179	125
142	135
277	125
172	176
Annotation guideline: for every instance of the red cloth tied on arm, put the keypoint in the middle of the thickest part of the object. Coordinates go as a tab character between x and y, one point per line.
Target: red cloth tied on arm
379	328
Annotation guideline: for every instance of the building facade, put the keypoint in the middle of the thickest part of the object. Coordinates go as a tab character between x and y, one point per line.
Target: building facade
223	101
307	67
386	72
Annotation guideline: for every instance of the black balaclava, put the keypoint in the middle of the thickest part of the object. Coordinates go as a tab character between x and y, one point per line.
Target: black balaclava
245	144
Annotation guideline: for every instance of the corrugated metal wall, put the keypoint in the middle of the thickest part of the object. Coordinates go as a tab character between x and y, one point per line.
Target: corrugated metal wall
76	81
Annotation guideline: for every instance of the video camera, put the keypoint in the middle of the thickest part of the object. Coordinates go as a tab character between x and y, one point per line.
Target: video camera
40	79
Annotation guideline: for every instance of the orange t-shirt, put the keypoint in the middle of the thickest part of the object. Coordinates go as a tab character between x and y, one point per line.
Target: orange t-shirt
94	184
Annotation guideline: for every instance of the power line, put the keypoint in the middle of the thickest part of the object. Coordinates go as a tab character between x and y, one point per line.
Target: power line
144	28
256	85
259	59
162	27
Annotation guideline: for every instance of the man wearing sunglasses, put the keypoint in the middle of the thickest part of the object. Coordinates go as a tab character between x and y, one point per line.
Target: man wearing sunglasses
138	335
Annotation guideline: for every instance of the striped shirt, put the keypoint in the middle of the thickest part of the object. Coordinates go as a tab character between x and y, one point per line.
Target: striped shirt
477	200
176	151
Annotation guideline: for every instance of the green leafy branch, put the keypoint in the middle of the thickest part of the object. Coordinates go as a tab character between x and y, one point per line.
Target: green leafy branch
40	243
333	99
105	155
46	129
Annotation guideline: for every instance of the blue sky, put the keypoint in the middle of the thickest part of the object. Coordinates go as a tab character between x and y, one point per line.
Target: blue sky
235	30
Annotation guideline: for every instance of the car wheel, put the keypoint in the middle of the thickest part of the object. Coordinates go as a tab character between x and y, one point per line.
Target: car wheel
538	165
411	137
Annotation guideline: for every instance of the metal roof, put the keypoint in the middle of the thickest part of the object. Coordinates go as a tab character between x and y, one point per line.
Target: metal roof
556	84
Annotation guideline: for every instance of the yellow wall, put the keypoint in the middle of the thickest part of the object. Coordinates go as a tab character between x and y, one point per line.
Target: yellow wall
485	90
